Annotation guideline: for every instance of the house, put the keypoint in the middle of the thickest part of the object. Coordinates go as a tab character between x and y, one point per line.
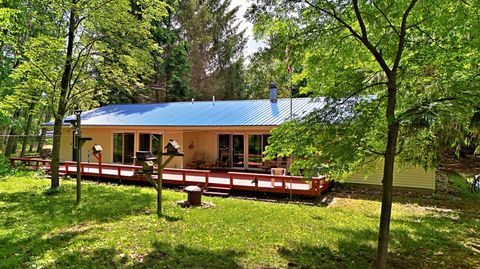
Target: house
232	132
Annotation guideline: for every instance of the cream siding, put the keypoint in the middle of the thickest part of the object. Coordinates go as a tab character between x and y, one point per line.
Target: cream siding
177	162
66	144
204	140
409	177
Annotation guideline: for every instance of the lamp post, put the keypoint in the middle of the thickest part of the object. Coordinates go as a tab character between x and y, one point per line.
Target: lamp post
78	147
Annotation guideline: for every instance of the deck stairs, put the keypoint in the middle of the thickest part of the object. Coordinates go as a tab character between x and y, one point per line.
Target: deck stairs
216	190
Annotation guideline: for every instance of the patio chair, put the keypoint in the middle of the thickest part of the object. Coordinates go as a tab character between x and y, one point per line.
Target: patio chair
277	172
197	161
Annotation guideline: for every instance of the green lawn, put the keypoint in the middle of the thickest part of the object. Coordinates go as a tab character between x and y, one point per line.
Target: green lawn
116	227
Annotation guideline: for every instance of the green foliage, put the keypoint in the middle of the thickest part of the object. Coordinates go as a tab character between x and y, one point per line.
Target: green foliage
216	47
437	82
5	168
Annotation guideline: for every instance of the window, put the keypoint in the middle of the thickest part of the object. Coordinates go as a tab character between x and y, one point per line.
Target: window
256	147
157	140
144	142
150	142
123	147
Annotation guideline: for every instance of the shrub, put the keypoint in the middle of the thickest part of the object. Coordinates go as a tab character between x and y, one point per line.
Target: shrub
5	168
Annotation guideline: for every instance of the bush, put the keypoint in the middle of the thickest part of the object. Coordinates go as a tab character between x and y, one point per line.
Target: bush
5	168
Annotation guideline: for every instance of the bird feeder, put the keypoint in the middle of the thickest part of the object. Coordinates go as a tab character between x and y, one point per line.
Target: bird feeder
172	148
97	149
148	167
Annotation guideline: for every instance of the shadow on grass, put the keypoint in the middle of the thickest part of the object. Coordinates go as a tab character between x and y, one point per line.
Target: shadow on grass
162	256
429	242
33	219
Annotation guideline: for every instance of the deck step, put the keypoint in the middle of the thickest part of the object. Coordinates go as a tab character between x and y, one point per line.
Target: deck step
214	193
219	188
217	191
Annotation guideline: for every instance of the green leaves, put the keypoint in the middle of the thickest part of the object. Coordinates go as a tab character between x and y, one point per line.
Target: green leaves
437	79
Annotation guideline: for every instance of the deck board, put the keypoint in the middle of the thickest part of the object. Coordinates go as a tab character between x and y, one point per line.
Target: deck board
182	177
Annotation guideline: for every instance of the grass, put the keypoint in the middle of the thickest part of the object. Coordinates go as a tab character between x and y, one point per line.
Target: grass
116	227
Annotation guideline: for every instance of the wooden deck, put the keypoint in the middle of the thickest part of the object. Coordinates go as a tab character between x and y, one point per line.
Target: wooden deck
255	182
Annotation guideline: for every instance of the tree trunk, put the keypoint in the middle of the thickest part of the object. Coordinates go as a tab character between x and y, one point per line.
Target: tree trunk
41	139
54	166
3	139
9	147
12	135
62	101
389	163
27	129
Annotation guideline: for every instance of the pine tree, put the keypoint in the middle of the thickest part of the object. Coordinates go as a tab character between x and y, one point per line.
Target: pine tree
216	54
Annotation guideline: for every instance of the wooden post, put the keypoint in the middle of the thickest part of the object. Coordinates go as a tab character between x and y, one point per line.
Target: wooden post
160	177
206	177
231	181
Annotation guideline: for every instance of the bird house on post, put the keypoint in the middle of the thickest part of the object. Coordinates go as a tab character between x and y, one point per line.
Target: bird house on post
97	149
172	148
148	167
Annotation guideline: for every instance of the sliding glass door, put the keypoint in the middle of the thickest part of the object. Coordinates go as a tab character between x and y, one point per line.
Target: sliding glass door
256	147
231	150
123	147
238	151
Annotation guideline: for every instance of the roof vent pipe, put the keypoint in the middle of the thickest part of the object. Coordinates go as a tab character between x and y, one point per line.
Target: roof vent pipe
273	92
213	100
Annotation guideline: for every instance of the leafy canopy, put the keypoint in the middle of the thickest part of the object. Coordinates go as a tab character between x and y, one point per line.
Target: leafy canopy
437	79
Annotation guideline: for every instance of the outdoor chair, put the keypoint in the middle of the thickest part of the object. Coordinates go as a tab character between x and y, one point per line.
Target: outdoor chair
197	161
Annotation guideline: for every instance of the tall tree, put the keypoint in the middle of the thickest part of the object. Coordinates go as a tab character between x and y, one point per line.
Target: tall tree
216	47
92	45
386	69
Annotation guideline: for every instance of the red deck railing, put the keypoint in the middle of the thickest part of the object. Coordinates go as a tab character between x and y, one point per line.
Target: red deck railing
232	180
316	185
27	161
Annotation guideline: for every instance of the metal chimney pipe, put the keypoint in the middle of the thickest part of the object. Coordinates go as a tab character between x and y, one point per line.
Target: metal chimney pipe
273	92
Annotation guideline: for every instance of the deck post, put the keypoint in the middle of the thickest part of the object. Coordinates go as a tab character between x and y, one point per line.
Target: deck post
184	178
12	163
206	177
231	180
119	173
284	186
66	168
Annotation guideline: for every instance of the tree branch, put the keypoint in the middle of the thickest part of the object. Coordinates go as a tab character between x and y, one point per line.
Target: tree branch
360	20
423	107
361	38
403	32
386	18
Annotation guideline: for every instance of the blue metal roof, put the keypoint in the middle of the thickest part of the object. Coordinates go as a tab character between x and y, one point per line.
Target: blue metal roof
200	113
